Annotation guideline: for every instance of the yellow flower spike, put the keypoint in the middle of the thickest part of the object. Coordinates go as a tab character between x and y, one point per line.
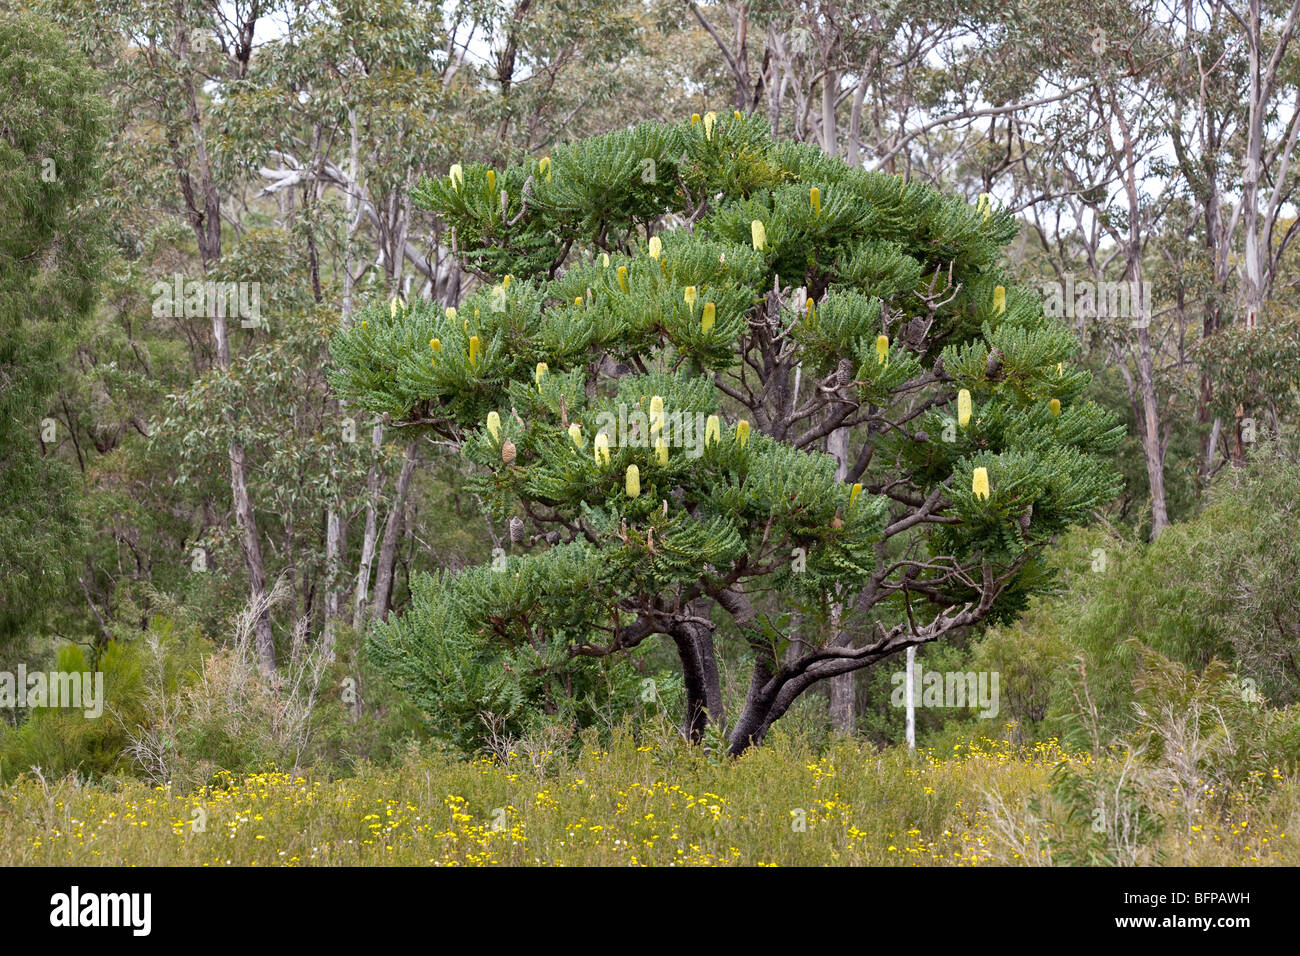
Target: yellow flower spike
736	113
575	435
601	448
451	313
656	247
494	424
633	481
392	307
577	300
984	204
710	314
492	181
661	452
505	282
473	349
855	491
656	413
457	176
712	430
1060	369
979	485
963	407
541	373
689	295
622	278
695	118
815	198
812	311
363	323
882	349
544	167
759	234
710	119
604	260
999	299
435	344
1055	405
742	432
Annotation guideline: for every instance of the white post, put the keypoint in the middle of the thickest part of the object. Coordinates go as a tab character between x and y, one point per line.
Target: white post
911	699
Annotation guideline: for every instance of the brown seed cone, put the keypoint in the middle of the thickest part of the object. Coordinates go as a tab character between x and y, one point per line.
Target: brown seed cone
516	530
508	451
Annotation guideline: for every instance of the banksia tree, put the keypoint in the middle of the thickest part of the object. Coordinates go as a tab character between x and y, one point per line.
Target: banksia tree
704	290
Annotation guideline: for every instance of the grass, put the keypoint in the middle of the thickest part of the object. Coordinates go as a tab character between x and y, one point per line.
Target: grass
630	804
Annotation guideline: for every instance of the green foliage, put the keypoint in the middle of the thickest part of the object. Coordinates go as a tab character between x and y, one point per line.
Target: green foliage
50	248
501	643
593	315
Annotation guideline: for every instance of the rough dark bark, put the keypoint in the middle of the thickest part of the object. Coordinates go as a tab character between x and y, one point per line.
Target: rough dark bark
694	639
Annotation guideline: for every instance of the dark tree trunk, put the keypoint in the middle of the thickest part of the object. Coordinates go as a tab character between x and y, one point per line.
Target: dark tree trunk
694	640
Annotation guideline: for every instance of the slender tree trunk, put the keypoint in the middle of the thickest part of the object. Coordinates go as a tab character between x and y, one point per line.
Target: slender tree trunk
204	209
250	542
333	562
843	715
392	532
362	590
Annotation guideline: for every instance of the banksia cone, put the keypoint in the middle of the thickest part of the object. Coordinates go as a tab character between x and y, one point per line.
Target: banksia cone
812	311
473	349
855	491
999	299
709	119
435	345
575	435
689	295
656	247
541	373
963	407
392	307
492	181
508	452
759	233
656	412
601	448
710	313
1055	405
457	176
983	204
516	530
451	313
882	349
604	260
633	481
622	278
544	167
742	432
695	118
494	424
979	485
661	452
712	429
815	199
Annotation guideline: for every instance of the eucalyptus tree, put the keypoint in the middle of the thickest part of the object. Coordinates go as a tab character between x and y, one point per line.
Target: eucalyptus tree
51	248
